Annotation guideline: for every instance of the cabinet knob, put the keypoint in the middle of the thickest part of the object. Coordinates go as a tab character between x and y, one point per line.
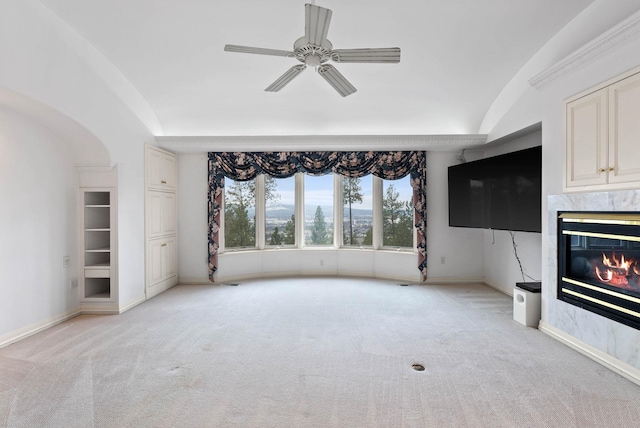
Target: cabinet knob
601	170
163	245
610	169
163	181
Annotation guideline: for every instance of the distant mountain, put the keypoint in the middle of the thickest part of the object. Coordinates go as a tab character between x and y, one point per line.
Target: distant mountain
280	211
285	211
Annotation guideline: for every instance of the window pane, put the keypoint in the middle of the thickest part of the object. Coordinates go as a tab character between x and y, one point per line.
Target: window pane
239	214
280	208
397	213
358	211
318	210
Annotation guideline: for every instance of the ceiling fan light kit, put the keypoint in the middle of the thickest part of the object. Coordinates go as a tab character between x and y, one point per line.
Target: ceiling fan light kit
314	50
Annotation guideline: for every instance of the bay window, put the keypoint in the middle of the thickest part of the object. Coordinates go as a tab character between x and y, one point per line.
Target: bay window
352	200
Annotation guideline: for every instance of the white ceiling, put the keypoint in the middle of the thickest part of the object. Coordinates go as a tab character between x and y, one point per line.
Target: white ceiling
457	55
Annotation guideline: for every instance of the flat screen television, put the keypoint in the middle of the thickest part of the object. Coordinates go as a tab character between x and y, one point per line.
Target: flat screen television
502	192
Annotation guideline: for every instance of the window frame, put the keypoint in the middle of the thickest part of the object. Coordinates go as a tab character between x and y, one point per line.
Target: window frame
338	219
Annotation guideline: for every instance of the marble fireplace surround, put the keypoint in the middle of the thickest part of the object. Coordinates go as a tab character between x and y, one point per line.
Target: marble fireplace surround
614	345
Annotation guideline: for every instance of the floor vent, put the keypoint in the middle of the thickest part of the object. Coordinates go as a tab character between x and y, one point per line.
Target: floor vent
404	285
233	284
418	367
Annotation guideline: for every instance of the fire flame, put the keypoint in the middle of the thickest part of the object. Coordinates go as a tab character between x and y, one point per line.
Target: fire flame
618	264
608	275
616	270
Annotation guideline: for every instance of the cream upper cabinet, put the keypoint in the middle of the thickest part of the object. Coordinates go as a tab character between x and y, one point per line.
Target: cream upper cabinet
160	169
586	140
624	131
602	137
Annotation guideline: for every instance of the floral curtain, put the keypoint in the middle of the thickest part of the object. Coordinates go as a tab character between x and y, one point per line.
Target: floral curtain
245	166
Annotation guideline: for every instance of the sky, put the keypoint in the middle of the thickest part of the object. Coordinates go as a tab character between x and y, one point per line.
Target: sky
319	190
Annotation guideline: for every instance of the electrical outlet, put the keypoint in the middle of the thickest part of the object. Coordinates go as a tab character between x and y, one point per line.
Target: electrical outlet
66	262
442	260
321	262
74	283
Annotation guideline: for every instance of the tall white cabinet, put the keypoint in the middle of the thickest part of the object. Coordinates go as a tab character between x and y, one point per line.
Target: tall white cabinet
602	136
98	284
161	226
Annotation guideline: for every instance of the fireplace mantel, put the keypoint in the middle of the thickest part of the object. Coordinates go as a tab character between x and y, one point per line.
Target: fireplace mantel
610	337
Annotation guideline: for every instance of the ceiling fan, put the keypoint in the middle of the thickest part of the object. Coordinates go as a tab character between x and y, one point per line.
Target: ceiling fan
314	50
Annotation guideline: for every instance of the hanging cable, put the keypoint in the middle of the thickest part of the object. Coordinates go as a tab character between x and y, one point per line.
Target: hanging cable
515	252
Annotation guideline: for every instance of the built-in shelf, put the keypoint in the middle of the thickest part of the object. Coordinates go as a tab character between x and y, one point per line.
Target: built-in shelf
98	243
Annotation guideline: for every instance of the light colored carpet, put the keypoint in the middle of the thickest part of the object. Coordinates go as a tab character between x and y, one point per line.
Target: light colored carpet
309	353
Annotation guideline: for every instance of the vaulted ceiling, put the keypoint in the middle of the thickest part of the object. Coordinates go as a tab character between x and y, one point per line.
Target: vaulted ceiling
457	55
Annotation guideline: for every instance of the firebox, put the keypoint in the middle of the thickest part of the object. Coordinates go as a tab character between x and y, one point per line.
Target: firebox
599	263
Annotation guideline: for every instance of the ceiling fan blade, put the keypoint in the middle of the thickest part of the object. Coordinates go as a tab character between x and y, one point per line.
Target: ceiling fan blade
337	80
259	51
287	77
380	55
316	26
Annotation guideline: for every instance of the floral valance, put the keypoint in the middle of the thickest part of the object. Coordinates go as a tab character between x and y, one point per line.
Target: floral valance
245	166
388	165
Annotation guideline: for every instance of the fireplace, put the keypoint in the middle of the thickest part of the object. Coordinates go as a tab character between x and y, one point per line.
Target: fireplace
599	263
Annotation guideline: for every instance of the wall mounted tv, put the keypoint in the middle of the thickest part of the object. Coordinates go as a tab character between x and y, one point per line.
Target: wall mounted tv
502	192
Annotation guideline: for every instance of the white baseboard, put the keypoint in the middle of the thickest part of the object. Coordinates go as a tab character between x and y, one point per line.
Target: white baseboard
192	280
34	328
452	280
133	304
506	290
623	369
306	274
272	275
161	287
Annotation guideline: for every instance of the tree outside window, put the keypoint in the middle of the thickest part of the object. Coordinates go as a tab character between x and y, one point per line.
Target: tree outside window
320	232
397	214
239	214
280	212
318	196
358	211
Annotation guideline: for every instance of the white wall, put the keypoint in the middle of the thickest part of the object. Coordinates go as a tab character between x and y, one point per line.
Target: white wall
461	247
192	217
38	226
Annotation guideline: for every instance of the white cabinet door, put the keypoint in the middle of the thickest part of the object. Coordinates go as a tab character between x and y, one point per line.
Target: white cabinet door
155	261
169	220
153	167
161	214
154	214
160	169
624	130
586	140
162	263
170	262
168	180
